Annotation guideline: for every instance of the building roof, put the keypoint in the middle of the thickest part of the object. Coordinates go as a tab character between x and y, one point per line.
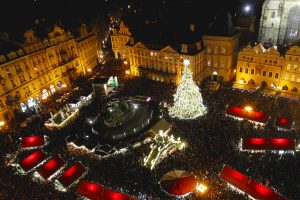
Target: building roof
100	80
160	125
7	46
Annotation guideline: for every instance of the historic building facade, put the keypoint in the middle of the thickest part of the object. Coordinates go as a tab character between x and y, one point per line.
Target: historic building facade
39	68
267	68
280	22
216	57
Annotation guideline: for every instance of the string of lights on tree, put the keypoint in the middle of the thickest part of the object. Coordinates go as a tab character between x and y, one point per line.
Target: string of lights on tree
188	102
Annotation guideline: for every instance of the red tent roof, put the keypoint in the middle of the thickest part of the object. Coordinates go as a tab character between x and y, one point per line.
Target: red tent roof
255	143
283	123
32	160
248	185
178	182
98	192
50	167
32	141
268	144
250	115
71	174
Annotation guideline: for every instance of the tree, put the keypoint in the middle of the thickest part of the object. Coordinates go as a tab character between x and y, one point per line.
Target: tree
188	103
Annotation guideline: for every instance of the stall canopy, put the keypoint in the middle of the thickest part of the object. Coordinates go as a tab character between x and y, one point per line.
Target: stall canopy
178	182
32	160
246	114
32	141
71	174
248	185
95	191
50	167
283	123
271	144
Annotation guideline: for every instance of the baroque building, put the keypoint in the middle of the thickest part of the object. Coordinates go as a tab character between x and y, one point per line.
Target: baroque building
280	22
214	56
269	69
34	70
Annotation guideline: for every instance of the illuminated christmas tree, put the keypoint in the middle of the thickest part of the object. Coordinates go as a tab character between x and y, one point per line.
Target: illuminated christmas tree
188	103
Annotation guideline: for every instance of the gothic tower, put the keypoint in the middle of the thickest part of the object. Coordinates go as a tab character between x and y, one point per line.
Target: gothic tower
280	22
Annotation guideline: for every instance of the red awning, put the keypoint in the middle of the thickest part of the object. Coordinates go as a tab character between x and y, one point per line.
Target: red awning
255	143
50	167
270	144
32	141
283	123
250	115
282	144
235	178
71	174
98	192
32	160
250	186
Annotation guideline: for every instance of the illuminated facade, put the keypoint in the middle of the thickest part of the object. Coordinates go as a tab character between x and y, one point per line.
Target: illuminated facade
280	22
260	67
39	68
221	56
165	63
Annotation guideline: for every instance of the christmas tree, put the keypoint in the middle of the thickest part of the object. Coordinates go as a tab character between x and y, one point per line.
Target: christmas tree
188	103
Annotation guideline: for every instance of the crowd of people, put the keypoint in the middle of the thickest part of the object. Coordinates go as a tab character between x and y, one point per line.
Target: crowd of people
212	142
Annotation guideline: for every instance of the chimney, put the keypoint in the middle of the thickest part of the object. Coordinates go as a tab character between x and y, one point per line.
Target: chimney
192	27
184	48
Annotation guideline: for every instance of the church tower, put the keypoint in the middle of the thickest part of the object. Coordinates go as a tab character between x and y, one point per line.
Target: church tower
280	22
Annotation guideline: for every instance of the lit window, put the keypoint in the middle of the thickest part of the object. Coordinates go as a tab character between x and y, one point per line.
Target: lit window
288	67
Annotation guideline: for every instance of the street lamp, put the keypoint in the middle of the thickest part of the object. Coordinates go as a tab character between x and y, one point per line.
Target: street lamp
248	108
201	188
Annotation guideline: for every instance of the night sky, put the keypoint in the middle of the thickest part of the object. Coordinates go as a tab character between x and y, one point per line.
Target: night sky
17	16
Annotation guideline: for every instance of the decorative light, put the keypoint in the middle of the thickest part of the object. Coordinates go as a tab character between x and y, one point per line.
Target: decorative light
201	188
188	102
125	62
247	8
127	72
248	108
186	62
89	70
215	73
64	85
2	123
241	81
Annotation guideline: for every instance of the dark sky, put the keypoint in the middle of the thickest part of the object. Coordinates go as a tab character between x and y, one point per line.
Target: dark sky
18	15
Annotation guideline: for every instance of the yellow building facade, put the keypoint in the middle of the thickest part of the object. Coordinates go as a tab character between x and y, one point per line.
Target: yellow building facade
221	56
260	67
39	68
164	63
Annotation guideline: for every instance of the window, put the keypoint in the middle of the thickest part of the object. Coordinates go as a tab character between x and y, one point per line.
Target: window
4	87
13	83
264	73
270	74
288	67
273	14
286	77
252	71
246	71
1	104
276	75
241	69
293	77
